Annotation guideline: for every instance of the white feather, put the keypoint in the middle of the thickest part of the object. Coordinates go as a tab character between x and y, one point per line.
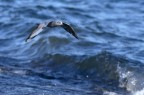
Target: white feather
36	32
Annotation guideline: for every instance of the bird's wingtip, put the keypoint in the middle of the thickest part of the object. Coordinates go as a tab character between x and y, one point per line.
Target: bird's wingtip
77	38
27	40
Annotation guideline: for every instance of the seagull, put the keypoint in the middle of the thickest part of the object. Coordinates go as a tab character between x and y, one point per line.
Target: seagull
42	26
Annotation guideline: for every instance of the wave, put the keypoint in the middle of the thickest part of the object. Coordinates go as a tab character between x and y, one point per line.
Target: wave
104	67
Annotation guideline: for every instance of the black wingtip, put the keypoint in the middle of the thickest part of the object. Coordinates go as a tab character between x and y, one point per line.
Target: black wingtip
69	29
27	40
76	37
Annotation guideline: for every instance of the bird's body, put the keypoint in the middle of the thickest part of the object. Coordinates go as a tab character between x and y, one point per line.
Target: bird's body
40	27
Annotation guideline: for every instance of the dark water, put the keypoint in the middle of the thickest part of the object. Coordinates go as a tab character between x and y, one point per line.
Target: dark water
107	60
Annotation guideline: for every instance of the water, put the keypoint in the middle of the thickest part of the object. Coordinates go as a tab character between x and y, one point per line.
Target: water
107	60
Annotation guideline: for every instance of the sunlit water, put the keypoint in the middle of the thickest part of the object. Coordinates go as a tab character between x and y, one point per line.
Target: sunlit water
108	59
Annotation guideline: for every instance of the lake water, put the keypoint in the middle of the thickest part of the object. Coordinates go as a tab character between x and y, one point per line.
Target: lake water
108	59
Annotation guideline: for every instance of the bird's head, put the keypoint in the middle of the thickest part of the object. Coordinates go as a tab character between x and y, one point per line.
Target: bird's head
57	23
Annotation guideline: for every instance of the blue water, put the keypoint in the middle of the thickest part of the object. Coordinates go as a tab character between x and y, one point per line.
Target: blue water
107	60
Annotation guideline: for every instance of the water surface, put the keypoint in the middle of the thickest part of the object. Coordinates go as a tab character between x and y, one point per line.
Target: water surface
107	60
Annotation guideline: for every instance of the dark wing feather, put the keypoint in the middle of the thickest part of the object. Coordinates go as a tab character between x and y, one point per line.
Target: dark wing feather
69	29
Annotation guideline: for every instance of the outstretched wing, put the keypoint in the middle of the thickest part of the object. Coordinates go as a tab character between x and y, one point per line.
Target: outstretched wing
36	30
69	29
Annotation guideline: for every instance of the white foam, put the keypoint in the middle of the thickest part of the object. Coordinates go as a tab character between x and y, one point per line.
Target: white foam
140	92
131	80
109	93
20	72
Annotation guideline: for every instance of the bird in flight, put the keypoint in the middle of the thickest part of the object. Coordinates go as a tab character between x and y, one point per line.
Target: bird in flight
41	26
